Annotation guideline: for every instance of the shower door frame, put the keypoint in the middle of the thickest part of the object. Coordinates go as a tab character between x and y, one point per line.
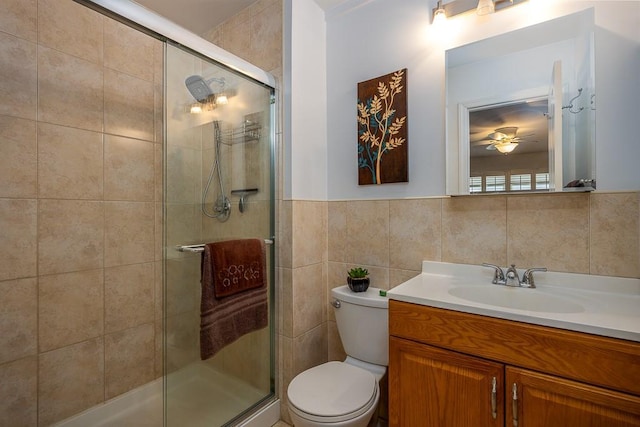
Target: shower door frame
136	16
245	417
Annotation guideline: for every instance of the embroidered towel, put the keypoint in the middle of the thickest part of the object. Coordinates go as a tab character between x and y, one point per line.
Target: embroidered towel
234	293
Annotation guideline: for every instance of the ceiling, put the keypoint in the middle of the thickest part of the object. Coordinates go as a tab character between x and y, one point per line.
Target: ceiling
199	16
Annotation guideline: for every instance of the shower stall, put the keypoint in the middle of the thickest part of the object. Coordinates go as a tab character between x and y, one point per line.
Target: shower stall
218	186
218	179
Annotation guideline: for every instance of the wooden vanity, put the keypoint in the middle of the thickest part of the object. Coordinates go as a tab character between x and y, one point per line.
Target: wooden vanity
454	369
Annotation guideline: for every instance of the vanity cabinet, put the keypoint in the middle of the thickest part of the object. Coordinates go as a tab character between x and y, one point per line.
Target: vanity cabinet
443	366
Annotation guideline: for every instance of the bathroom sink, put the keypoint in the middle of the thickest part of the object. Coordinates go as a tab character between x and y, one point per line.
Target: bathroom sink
516	298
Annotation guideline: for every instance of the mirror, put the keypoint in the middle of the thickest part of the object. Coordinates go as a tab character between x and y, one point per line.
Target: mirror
521	110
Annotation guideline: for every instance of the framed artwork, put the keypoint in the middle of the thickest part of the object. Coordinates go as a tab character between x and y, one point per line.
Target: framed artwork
382	129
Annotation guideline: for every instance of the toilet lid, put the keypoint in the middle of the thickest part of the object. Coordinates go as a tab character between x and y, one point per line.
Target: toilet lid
333	389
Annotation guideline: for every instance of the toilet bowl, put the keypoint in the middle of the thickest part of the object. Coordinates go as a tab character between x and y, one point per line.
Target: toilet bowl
346	394
333	394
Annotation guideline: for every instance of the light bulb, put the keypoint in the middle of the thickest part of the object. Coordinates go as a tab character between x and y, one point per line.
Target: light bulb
222	99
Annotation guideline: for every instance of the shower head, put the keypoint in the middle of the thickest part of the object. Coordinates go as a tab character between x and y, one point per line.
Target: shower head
198	87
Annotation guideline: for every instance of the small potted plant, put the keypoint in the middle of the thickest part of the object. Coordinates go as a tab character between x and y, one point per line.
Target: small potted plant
358	279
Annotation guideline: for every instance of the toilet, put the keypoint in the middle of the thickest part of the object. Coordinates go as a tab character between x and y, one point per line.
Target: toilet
346	394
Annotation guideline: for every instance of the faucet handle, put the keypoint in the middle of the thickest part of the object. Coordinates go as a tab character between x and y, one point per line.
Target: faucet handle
498	275
527	277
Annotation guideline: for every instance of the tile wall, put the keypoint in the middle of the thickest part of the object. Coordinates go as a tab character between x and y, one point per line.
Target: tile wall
80	203
584	233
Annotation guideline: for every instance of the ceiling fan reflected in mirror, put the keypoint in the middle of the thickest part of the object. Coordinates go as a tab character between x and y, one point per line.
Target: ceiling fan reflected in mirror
504	139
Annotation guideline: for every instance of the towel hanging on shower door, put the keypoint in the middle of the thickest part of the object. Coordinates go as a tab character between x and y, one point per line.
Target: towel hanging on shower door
234	293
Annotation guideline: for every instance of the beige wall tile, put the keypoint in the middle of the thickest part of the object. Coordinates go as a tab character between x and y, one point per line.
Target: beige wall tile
19	393
266	37
615	234
129	233
73	82
368	233
18	77
335	347
128	296
549	231
336	276
71	308
285	236
18	319
182	332
309	349
159	349
69	163
19	158
183	227
415	228
158	169
397	277
19	18
474	230
71	379
183	174
129	359
128	169
128	106
158	230
158	289
128	50
309	241
70	235
308	298
69	27
235	38
18	247
337	231
286	298
183	284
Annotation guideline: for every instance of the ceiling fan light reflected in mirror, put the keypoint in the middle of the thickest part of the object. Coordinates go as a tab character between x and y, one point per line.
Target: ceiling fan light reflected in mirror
506	147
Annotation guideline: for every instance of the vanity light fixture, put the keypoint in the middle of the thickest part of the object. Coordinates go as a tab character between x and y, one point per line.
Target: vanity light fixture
485	7
482	7
439	14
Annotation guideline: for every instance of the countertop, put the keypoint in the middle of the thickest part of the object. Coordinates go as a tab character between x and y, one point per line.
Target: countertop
601	305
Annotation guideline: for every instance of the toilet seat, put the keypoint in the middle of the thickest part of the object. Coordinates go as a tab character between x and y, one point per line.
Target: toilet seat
333	392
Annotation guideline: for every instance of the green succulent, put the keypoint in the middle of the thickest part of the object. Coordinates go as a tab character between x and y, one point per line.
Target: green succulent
358	273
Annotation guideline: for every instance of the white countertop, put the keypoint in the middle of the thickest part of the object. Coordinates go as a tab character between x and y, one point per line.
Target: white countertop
601	305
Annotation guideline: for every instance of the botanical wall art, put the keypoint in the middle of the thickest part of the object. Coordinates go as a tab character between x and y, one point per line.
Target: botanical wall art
382	129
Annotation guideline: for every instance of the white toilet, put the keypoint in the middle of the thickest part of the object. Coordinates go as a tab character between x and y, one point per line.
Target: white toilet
346	394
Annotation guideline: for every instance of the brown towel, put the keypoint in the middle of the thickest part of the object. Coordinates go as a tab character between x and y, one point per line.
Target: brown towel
234	293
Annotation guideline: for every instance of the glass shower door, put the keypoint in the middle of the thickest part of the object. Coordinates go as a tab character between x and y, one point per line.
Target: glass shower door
218	186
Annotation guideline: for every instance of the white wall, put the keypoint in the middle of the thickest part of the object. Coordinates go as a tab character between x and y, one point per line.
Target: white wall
305	94
370	38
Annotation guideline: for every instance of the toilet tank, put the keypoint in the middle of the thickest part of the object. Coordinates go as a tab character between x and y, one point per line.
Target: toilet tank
363	324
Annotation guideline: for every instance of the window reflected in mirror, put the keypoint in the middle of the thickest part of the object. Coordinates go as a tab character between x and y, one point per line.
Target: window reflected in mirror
509	147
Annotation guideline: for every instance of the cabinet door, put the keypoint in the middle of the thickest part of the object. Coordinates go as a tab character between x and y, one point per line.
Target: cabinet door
547	401
432	387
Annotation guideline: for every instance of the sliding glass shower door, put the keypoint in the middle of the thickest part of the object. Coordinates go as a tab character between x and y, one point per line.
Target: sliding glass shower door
218	159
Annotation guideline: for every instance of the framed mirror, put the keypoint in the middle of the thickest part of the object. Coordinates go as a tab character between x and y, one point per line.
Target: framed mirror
521	110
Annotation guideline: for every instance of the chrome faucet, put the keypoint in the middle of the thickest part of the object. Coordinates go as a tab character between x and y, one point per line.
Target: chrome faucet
510	278
527	277
498	275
